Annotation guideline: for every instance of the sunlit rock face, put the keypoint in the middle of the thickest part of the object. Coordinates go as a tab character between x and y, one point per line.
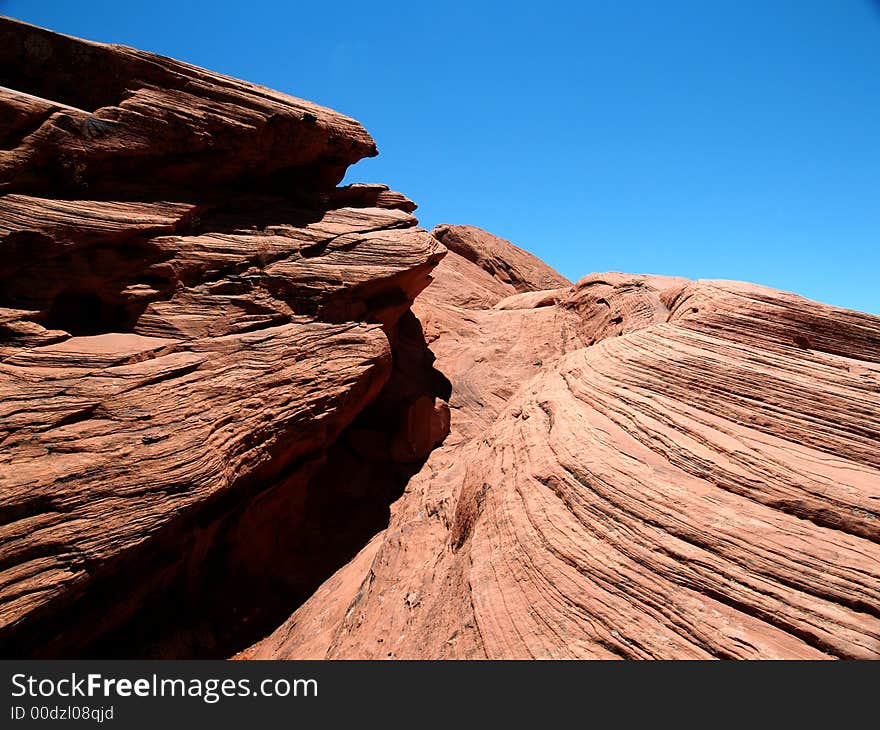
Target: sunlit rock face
638	467
244	411
192	315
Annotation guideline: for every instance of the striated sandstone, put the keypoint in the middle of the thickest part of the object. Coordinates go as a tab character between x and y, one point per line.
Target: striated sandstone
191	316
232	409
89	119
638	467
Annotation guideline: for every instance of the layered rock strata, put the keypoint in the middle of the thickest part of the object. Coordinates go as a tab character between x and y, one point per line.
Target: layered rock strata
191	315
639	467
235	419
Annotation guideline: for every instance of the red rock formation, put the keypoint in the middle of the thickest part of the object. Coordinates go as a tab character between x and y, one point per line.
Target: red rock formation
638	467
511	269
215	377
88	119
191	314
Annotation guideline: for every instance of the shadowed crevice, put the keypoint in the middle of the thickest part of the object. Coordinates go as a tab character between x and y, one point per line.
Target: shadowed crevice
243	563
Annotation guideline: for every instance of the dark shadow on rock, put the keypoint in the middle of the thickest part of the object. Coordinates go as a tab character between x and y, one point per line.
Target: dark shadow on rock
237	569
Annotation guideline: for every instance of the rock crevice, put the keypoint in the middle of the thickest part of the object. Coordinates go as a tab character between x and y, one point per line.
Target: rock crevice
638	467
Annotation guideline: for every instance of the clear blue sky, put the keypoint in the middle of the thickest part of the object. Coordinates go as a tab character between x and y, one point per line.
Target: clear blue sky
725	138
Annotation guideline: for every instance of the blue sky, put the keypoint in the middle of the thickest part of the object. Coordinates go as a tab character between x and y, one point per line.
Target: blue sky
725	139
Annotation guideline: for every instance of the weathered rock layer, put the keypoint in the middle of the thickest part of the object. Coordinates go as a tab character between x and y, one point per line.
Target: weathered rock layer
639	467
232	412
176	362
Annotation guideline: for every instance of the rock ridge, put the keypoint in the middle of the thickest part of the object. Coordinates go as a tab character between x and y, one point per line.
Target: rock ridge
638	467
192	315
247	412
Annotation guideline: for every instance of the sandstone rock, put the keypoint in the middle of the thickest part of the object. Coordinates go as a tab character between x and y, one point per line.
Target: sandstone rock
642	467
518	270
142	125
232	408
191	315
425	425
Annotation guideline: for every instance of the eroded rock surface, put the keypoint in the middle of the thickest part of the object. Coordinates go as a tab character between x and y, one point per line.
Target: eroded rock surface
191	315
639	467
231	410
